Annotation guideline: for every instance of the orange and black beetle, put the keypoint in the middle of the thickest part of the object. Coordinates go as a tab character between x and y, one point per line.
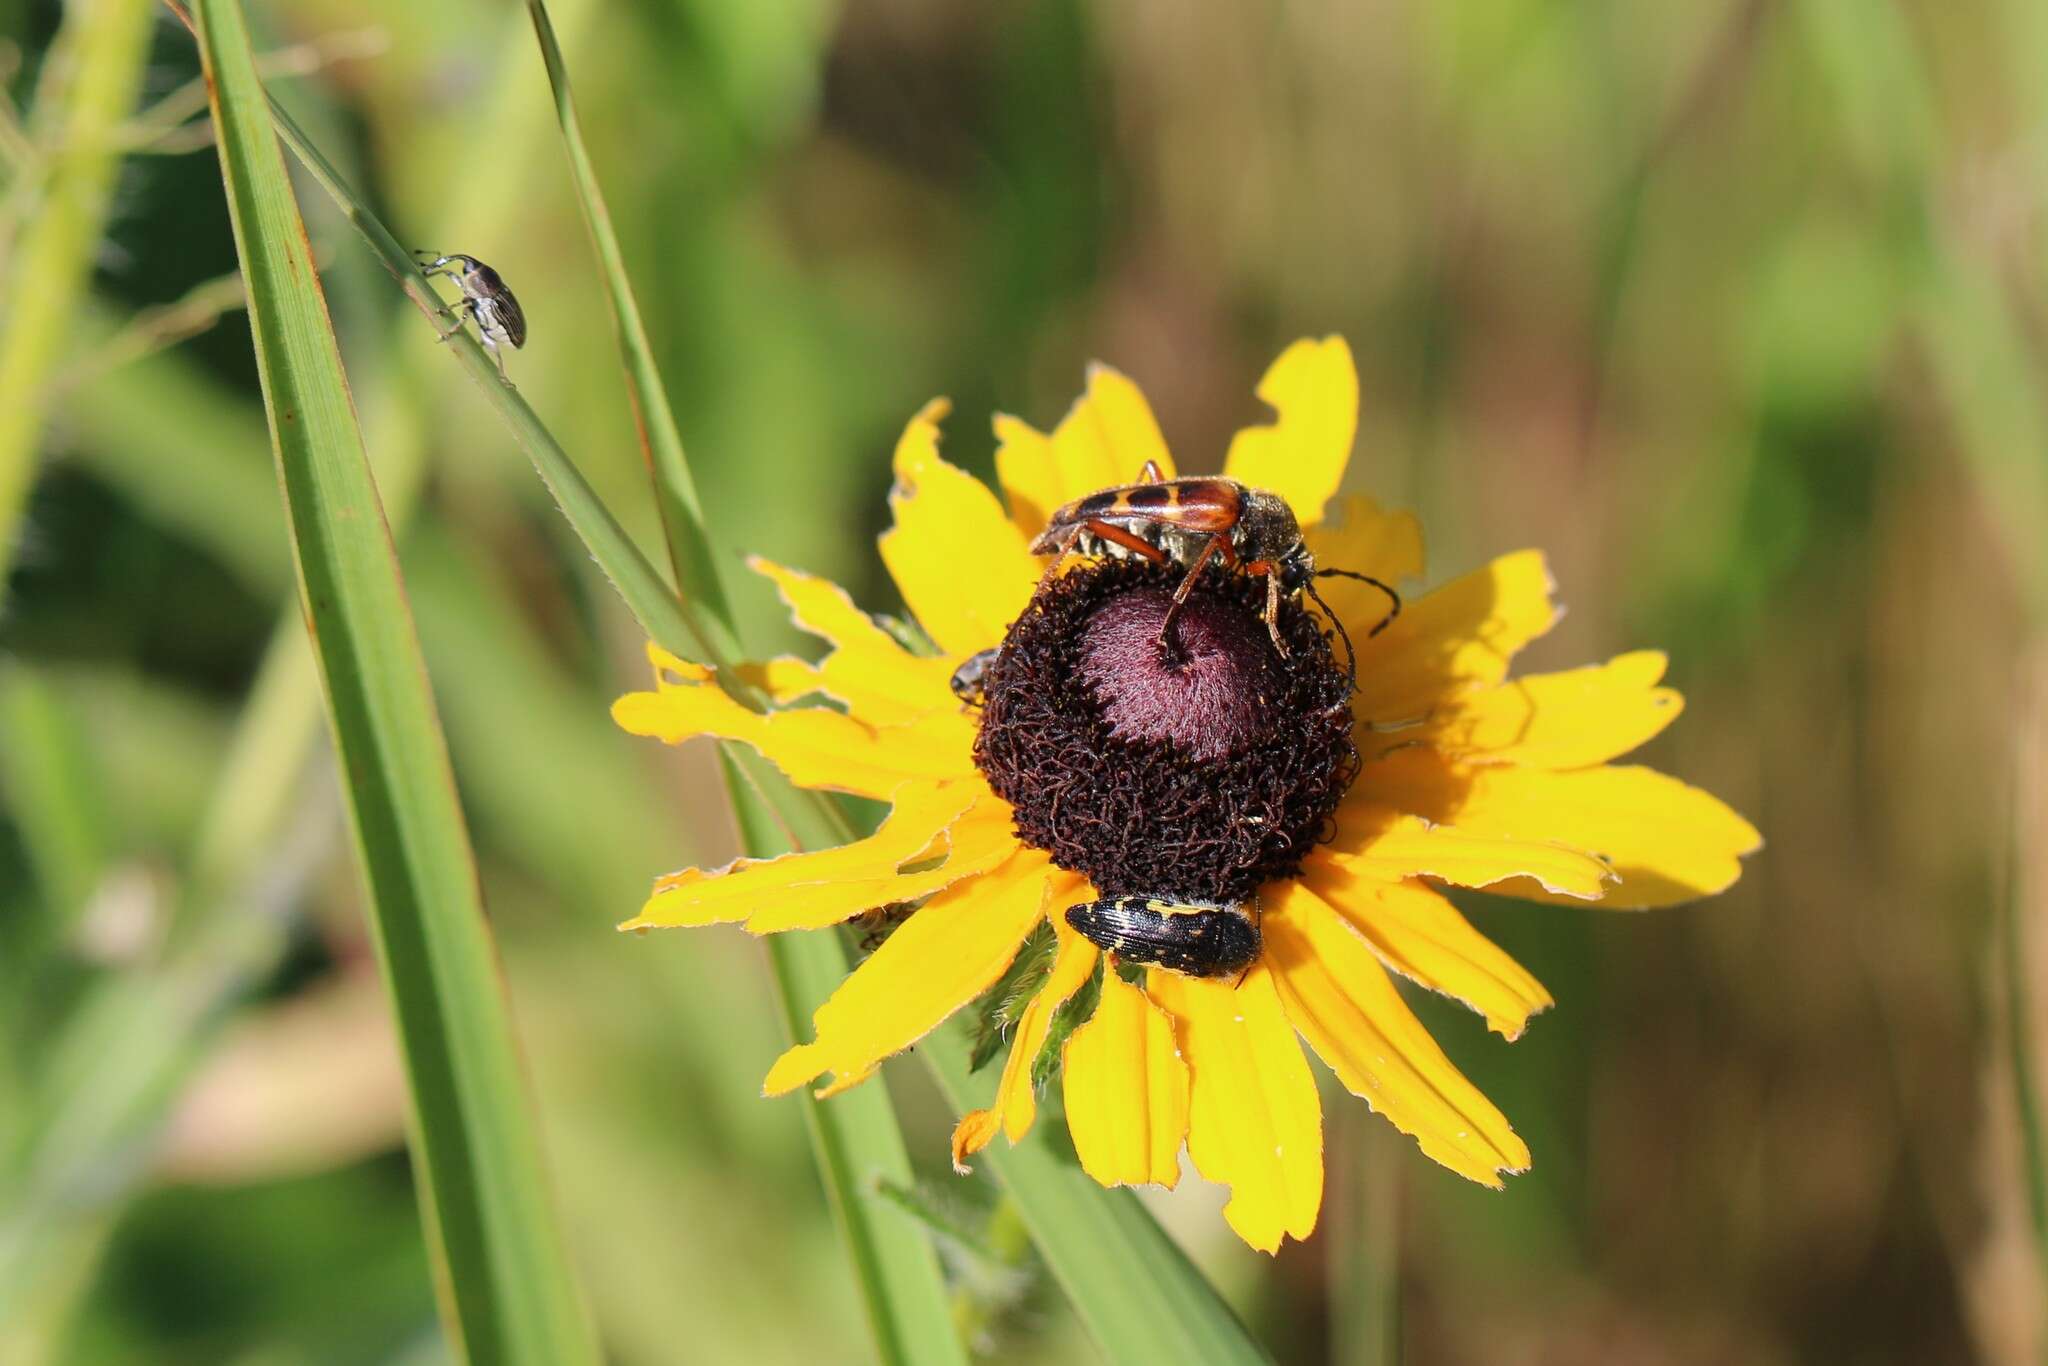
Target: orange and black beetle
1188	522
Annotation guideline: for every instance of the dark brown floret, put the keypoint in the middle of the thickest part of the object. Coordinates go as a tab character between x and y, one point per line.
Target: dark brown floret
1201	774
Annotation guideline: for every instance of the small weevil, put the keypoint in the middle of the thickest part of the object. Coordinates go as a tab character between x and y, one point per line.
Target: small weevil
1188	935
499	319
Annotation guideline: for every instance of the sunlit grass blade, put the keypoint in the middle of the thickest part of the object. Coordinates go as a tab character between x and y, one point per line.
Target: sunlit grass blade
858	1145
1138	1294
507	1288
857	1141
682	515
99	56
1977	338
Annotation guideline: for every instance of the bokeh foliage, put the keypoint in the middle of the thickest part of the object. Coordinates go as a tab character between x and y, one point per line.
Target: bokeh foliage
1736	308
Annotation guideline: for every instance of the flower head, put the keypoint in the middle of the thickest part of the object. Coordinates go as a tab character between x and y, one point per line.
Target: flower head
1110	759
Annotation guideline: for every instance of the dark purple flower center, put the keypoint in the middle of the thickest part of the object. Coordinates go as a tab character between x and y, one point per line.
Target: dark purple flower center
1198	769
1210	694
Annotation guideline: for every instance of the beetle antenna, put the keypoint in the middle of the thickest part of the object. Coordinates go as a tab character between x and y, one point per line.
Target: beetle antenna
1350	653
1393	598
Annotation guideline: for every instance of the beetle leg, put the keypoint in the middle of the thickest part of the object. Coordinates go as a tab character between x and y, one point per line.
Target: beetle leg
1151	473
1129	540
1180	594
489	337
1273	612
1107	531
1059	557
461	310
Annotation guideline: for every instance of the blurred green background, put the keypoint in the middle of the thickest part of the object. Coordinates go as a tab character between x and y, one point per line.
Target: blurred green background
1738	309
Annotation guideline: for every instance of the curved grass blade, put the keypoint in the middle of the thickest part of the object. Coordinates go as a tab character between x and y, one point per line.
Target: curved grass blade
682	515
504	1277
858	1144
857	1141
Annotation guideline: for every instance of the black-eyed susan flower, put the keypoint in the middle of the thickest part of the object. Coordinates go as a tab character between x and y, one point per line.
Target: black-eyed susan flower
1223	765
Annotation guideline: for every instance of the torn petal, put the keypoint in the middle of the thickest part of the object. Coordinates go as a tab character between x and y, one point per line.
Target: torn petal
1104	441
1016	1103
813	746
959	561
879	681
826	886
950	951
1301	457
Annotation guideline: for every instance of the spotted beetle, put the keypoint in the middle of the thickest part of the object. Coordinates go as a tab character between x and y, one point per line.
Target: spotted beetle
1189	935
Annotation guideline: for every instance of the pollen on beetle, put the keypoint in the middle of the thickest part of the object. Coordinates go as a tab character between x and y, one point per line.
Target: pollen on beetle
1201	769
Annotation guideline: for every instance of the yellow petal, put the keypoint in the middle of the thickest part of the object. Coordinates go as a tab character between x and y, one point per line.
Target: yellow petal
880	682
1423	937
1254	1121
1127	1090
960	563
1103	441
1666	842
1379	844
1361	536
1016	1103
1314	388
824	886
1464	633
1342	1001
950	951
1558	720
815	747
1029	472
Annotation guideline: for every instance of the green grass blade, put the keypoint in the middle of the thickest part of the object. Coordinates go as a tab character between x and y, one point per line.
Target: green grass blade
504	1275
858	1144
103	47
1136	1292
857	1141
54	794
682	515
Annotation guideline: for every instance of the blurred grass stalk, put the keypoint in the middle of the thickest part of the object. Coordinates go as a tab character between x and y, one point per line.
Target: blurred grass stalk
1985	372
504	1276
91	82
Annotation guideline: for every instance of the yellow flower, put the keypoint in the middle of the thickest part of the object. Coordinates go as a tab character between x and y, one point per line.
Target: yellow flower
1500	784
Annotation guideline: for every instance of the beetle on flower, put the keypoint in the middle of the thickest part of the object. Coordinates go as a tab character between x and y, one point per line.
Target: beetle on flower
1092	758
